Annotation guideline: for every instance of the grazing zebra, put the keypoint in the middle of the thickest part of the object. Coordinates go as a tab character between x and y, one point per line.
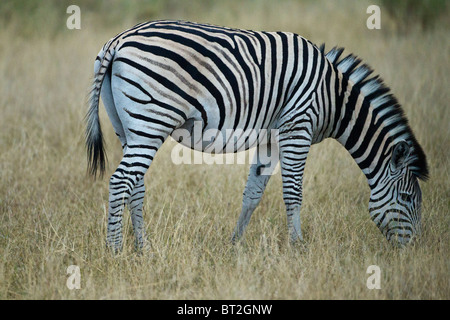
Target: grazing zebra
162	76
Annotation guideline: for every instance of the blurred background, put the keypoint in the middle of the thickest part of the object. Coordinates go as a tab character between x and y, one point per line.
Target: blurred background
29	17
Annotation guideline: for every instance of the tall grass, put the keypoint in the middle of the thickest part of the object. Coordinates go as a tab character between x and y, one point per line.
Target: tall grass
53	215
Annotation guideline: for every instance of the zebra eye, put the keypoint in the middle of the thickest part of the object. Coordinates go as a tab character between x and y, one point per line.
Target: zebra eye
406	197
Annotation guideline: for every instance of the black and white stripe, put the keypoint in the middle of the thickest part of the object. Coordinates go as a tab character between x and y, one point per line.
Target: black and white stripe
162	76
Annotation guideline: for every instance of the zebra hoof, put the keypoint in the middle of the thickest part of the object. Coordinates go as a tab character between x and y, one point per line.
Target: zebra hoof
114	249
299	243
235	238
143	246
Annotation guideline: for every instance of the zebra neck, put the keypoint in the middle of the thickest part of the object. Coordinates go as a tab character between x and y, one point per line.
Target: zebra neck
366	118
360	130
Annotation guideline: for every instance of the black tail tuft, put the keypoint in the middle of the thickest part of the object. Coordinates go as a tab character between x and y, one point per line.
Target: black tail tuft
95	144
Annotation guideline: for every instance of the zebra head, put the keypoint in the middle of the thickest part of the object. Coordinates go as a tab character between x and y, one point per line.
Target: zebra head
395	203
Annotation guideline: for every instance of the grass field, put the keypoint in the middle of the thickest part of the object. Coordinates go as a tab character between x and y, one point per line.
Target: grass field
52	215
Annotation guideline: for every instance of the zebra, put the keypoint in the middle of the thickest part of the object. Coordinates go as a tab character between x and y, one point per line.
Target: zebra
162	76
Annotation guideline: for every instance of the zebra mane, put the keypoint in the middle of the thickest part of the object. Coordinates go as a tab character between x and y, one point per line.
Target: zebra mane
382	100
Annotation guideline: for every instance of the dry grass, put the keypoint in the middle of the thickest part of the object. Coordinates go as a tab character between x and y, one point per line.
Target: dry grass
52	215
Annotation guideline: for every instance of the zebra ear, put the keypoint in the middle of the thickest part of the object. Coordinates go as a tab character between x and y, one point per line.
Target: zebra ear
399	155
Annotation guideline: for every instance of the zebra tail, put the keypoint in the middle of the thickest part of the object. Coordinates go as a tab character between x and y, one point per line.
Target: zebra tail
95	144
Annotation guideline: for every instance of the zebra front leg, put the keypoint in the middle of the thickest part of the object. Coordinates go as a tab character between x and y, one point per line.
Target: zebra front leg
135	205
260	172
294	148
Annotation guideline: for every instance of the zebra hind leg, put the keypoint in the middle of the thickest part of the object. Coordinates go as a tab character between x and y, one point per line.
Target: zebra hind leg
115	210
126	186
147	123
135	205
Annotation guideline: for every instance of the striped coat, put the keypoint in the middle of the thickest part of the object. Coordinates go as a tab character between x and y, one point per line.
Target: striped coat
169	77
